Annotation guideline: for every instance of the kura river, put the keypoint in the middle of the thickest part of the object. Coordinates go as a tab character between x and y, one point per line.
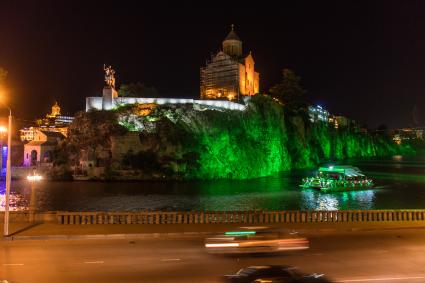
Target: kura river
400	183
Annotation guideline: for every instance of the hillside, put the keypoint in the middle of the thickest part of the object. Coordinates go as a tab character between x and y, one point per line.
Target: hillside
178	142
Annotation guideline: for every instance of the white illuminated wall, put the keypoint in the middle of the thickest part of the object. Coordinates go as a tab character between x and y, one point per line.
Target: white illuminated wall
96	103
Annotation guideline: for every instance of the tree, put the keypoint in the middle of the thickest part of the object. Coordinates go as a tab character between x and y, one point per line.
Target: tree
91	132
382	130
137	90
3	75
289	91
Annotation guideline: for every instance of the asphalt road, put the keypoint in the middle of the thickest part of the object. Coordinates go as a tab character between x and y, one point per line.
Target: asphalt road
374	256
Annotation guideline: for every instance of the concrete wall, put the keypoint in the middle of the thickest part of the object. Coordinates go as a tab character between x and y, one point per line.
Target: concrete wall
97	103
94	103
24	216
23	172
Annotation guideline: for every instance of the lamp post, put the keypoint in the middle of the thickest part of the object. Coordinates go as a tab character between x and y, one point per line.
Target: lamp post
8	175
34	178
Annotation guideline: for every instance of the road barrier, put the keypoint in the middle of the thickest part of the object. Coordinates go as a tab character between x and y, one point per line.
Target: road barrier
240	217
31	216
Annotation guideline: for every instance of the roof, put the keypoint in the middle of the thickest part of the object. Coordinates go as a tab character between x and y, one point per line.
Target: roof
232	35
53	134
347	170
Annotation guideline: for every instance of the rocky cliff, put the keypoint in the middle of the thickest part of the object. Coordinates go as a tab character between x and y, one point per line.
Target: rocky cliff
178	142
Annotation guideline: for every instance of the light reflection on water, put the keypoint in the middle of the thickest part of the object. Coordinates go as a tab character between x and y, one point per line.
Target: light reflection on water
18	200
314	200
399	186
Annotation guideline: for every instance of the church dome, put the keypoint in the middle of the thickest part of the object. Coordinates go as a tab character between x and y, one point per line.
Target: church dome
232	35
232	45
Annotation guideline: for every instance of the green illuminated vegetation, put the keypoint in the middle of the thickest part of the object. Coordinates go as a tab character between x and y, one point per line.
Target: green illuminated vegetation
178	142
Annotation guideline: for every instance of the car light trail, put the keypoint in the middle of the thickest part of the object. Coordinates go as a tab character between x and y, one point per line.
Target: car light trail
233	233
224	245
170	259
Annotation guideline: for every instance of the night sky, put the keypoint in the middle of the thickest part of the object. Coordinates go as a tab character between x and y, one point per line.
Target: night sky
361	59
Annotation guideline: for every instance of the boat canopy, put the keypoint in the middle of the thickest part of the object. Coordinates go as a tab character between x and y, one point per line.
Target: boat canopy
349	171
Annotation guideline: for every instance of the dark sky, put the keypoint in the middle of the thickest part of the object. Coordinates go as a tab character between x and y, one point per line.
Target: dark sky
362	59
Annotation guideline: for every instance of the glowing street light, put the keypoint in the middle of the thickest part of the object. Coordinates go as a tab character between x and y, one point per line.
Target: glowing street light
34	178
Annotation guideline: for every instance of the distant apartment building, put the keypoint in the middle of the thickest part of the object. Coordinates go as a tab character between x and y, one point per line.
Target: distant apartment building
318	113
406	134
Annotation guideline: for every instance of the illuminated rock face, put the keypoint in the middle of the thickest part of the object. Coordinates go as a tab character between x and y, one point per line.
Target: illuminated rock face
260	141
229	75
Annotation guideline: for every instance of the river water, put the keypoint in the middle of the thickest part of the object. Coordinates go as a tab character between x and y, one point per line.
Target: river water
400	183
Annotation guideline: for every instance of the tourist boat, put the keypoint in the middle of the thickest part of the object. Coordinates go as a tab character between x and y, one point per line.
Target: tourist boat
338	179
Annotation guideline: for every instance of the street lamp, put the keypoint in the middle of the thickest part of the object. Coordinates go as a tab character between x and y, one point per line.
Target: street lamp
34	178
8	175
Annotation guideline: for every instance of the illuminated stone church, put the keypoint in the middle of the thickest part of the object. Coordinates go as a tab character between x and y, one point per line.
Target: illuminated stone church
230	74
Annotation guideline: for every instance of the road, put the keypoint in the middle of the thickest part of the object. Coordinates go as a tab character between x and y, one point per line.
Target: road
372	256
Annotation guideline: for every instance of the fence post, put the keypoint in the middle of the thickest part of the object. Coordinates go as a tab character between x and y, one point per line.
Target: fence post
261	217
65	219
59	218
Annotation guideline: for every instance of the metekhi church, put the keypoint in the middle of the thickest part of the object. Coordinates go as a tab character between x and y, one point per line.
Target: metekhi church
230	74
226	82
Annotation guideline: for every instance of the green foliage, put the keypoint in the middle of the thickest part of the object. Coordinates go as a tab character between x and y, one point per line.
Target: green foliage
289	91
239	145
137	90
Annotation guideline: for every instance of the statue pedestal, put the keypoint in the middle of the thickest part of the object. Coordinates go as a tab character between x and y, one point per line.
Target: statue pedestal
109	94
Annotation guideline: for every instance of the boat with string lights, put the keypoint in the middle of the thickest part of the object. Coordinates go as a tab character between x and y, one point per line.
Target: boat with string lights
338	179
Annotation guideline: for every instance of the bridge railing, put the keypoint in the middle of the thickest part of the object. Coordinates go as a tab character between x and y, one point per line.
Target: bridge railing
240	217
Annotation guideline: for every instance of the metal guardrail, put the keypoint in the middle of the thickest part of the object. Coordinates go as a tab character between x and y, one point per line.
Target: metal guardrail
248	217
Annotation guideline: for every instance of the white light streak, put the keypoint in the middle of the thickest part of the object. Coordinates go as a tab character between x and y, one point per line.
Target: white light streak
94	262
222	245
170	259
